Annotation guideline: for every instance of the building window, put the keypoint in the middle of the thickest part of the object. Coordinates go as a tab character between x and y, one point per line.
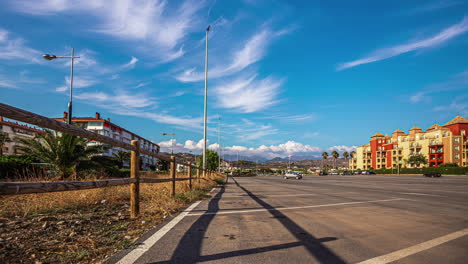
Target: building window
456	140
437	135
456	148
97	124
457	156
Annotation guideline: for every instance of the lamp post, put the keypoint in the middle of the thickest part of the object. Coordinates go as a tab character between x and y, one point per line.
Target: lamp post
206	101
172	141
72	57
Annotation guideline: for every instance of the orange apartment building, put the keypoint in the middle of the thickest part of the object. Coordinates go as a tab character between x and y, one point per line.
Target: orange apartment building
440	144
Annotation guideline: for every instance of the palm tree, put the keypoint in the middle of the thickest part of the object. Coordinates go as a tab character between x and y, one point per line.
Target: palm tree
62	150
335	156
353	154
346	155
324	156
121	157
3	139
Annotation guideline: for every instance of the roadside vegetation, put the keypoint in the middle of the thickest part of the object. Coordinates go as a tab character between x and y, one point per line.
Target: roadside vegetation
85	226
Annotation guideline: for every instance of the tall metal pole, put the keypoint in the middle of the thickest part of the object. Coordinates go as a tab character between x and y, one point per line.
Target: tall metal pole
71	87
172	144
206	102
219	146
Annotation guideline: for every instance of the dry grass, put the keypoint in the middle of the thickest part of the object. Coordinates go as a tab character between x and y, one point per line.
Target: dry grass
88	226
154	197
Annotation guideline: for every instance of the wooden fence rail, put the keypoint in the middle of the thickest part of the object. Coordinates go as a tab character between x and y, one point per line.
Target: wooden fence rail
11	188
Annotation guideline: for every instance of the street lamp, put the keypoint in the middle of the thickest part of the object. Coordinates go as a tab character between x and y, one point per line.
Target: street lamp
206	101
72	57
172	141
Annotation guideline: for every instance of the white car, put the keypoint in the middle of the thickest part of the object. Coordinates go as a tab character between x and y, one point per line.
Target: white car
293	175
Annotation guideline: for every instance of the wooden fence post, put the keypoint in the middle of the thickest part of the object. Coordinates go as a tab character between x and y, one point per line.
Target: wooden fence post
190	176
135	187
173	175
198	175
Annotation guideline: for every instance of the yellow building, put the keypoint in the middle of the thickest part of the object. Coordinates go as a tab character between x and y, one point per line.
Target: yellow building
439	144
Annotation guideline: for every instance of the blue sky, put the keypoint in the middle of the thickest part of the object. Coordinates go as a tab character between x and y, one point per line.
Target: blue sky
285	77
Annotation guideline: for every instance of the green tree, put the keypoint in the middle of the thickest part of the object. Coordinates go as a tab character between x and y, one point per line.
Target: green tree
163	165
121	157
212	160
324	156
335	156
417	159
62	150
352	154
4	138
346	155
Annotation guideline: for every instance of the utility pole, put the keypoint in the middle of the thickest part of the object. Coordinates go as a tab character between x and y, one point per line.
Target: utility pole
206	101
219	145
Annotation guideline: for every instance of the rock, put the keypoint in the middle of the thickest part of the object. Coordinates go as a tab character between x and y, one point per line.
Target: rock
48	218
103	201
128	237
33	255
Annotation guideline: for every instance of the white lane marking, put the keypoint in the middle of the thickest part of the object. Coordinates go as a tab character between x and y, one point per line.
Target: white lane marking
423	194
296	207
402	253
133	255
274	195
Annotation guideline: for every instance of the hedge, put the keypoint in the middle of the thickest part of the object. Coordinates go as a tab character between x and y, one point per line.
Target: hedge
441	170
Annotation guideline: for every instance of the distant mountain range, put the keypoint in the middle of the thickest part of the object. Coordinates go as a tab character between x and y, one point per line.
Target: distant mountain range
296	160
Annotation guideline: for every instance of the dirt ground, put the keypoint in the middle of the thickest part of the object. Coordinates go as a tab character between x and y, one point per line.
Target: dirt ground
78	234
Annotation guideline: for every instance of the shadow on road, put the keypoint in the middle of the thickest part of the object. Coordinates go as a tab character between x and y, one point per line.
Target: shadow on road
311	243
189	248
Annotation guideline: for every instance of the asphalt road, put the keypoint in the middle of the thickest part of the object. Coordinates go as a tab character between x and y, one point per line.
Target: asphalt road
319	219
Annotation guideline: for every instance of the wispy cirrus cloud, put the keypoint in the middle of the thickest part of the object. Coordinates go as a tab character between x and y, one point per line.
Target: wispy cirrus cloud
146	22
78	82
456	82
15	48
122	102
131	64
434	40
459	105
252	51
433	6
249	94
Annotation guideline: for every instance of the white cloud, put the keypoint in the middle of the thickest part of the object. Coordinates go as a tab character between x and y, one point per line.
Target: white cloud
343	148
118	99
247	130
131	64
456	82
253	50
136	104
78	82
385	53
248	95
282	150
14	48
458	105
149	23
7	83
